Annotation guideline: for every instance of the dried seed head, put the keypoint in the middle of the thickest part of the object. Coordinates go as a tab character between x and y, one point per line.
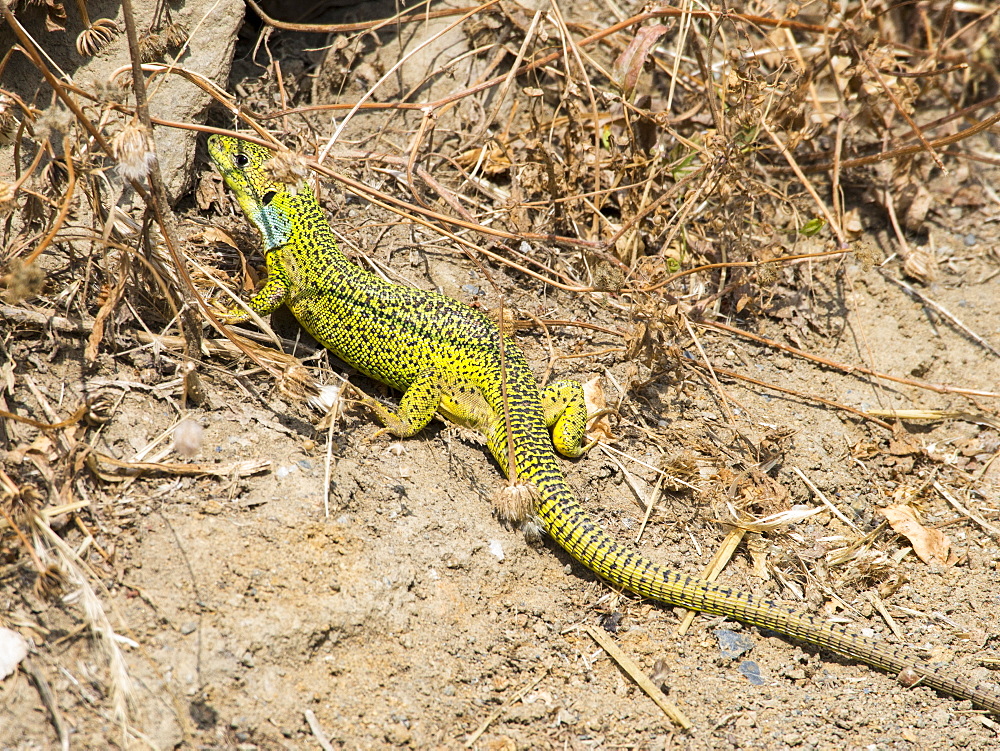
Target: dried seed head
329	399
515	503
288	168
297	382
100	407
92	40
175	35
8	121
767	274
23	282
533	530
8	197
24	504
152	47
51	582
134	151
920	265
109	91
55	121
188	437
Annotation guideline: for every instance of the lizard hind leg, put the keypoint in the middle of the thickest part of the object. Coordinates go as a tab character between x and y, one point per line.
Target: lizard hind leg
418	405
566	415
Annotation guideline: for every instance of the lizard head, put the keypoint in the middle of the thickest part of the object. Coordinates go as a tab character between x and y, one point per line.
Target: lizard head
267	201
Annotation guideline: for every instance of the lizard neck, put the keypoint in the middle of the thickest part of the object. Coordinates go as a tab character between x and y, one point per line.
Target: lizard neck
296	222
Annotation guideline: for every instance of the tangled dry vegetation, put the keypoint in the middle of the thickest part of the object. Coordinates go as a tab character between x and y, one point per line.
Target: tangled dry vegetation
685	166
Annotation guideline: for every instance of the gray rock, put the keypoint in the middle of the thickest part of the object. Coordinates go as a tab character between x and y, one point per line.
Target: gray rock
212	25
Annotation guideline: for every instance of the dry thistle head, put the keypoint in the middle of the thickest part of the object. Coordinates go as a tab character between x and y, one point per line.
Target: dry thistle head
8	121
51	582
330	399
175	35
109	91
515	503
152	47
767	274
23	282
23	504
920	264
8	197
133	149
96	37
100	407
188	438
288	168
297	382
56	120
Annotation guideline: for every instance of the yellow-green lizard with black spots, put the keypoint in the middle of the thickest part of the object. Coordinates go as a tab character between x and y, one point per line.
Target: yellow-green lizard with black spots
446	358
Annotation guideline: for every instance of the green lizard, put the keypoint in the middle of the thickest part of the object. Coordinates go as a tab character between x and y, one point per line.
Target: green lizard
446	358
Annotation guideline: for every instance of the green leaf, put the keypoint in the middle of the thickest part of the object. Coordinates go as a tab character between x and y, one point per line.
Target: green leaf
812	227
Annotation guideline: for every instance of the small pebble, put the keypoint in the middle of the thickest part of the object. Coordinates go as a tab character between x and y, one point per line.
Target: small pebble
496	549
189	628
732	644
13	649
283	472
188	437
751	671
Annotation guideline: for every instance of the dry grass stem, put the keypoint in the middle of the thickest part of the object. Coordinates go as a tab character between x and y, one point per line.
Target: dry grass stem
826	501
512	699
642	680
989	528
720	560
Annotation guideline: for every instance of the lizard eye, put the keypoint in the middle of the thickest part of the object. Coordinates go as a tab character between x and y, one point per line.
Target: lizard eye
241	160
268	197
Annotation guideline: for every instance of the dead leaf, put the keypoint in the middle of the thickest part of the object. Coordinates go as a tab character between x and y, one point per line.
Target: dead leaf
626	69
930	545
916	213
42	446
213	236
905	445
209	191
593	395
55	16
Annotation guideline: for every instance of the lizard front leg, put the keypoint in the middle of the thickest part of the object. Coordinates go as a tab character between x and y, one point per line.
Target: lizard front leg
269	297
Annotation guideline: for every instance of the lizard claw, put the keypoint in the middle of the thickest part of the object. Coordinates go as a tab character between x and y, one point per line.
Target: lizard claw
378	434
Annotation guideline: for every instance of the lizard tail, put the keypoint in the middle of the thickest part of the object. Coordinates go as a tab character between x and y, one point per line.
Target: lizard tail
579	534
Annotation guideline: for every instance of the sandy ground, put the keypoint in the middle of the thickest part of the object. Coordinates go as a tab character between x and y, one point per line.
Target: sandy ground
398	611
